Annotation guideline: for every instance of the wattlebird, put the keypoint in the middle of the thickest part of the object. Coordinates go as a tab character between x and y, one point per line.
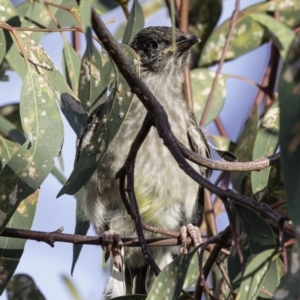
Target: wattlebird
167	198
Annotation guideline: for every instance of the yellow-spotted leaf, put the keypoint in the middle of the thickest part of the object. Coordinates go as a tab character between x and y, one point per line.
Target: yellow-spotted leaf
202	80
32	163
70	66
11	249
280	34
91	87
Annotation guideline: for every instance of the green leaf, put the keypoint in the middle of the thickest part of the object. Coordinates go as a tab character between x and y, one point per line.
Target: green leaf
170	280
71	288
93	153
203	17
82	226
7	10
280	34
254	275
265	145
272	278
71	65
36	16
289	103
23	287
2	46
10	130
259	238
85	13
11	249
288	11
32	163
201	80
247	36
289	287
91	87
135	22
243	151
41	62
7	151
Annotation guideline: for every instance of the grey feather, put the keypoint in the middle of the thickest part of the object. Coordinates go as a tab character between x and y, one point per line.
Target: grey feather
166	196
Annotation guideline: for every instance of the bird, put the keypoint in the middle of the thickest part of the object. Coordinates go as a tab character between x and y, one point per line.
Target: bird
167	198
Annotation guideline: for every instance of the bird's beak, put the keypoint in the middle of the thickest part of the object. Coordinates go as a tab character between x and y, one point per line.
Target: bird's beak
187	44
183	45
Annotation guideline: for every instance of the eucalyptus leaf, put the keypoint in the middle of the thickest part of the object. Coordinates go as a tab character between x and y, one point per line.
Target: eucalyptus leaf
70	65
170	280
280	34
201	80
32	163
289	103
266	143
135	22
11	249
113	115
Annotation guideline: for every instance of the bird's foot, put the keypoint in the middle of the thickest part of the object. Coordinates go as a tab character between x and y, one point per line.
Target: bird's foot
194	233
112	243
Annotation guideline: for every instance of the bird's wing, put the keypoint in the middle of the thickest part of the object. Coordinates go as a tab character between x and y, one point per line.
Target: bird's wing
199	145
198	141
92	124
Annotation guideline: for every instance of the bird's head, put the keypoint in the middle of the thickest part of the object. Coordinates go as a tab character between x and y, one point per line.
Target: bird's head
157	54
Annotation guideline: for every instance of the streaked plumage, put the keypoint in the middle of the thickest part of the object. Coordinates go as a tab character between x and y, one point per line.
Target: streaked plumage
166	196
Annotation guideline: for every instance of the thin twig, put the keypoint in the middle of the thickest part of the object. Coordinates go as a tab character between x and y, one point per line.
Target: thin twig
222	59
232	166
223	239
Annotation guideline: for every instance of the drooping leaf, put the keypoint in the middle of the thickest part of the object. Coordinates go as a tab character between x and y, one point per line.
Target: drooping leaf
135	22
91	87
7	150
243	151
23	287
259	238
93	153
266	143
272	278
32	163
201	80
289	103
11	249
2	46
70	66
82	226
247	36
41	62
11	131
170	280
36	16
85	14
288	11
289	286
280	34
71	288
254	275
203	17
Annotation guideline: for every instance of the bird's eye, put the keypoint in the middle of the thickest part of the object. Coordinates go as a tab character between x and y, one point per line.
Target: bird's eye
153	45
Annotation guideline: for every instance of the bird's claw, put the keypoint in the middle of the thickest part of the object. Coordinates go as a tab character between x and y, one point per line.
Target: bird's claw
194	233
112	243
